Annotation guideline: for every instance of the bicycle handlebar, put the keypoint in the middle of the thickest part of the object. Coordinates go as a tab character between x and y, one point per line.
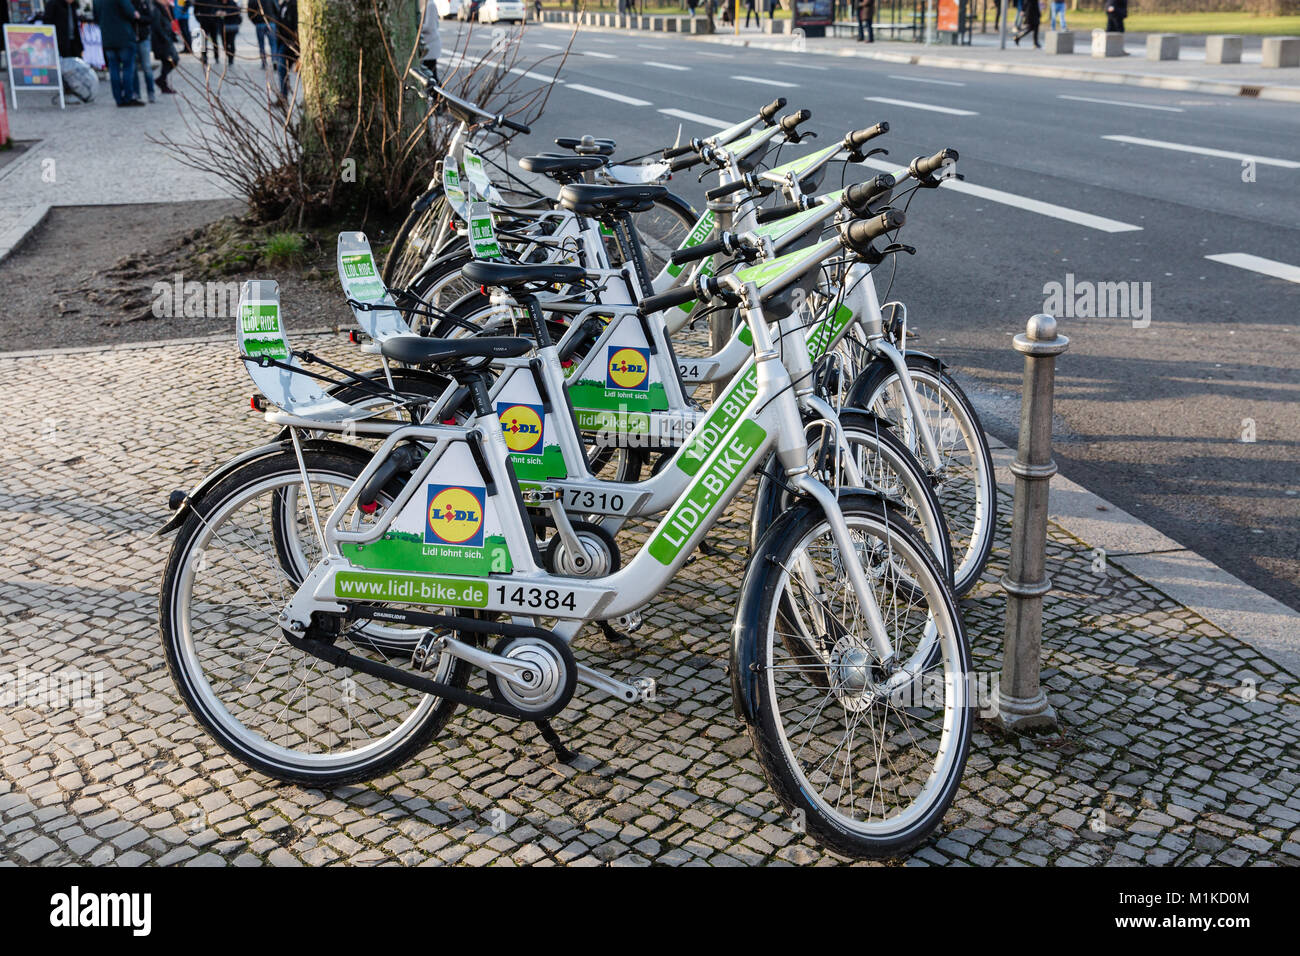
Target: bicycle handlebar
791	121
718	192
922	167
860	137
861	232
771	109
778	212
858	195
727	242
666	300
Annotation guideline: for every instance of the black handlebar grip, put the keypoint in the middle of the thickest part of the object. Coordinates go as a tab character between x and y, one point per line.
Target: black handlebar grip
691	254
860	137
517	127
863	231
717	192
770	110
666	300
684	162
792	120
674	151
859	194
778	212
922	167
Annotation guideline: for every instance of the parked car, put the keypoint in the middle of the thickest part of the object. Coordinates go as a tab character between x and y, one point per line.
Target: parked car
493	10
447	8
468	9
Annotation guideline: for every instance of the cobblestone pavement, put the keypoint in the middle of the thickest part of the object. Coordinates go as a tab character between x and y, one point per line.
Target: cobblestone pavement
1179	742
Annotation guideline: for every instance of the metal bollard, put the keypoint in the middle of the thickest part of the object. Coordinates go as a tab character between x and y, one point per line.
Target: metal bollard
1019	699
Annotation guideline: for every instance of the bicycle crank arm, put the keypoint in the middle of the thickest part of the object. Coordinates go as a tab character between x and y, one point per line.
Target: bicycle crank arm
628	693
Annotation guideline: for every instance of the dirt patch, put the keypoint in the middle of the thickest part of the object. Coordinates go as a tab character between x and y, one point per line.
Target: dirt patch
91	275
15	150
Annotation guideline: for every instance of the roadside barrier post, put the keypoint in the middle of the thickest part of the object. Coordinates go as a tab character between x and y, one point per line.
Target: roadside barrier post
1019	698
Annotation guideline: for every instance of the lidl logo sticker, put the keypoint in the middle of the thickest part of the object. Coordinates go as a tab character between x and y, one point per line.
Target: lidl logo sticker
629	369
455	515
523	426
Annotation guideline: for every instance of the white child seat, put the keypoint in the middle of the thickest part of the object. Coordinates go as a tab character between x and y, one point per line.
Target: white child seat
362	284
261	334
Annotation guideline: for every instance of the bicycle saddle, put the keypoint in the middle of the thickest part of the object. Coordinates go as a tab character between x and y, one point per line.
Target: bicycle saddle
508	274
563	168
587	145
418	350
589	200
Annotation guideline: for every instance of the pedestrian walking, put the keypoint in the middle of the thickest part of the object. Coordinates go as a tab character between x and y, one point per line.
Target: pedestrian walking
161	27
431	38
286	43
181	13
116	19
258	16
1032	17
144	50
229	27
1058	10
208	13
866	14
751	8
62	15
1116	11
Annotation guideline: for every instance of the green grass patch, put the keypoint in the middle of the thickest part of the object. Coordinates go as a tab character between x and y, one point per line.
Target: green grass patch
283	248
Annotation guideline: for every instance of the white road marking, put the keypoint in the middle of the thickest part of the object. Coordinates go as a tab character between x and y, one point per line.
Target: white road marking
618	97
1268	267
1204	151
548	46
921	106
535	76
666	66
719	56
765	82
1136	106
800	66
650	46
924	79
1100	223
598	55
696	118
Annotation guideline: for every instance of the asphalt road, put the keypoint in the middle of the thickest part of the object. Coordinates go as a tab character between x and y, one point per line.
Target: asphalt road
1155	406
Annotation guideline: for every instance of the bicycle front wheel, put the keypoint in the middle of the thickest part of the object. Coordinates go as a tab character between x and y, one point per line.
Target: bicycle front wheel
868	752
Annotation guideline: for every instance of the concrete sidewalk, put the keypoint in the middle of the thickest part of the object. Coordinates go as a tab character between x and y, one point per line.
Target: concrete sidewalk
1180	742
97	154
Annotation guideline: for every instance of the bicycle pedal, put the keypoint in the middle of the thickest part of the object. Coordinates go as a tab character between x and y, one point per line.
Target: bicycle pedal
630	622
647	689
424	648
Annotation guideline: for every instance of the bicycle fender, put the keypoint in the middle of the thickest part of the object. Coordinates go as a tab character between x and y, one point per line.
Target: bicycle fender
745	672
865	381
426	199
195	495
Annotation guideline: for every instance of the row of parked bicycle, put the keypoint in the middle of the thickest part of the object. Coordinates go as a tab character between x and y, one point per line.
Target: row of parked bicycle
565	390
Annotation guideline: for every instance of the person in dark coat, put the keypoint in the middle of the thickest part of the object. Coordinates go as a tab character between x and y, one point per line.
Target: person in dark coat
260	15
160	39
866	14
230	17
1033	17
1116	11
286	42
62	15
143	49
208	13
116	19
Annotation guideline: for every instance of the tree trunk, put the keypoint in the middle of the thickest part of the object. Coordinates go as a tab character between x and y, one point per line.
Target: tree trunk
353	57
